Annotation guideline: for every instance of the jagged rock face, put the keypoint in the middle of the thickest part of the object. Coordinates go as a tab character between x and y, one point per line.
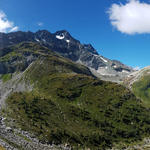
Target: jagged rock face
64	44
15	38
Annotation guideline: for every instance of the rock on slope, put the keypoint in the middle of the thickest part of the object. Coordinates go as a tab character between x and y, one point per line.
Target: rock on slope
63	43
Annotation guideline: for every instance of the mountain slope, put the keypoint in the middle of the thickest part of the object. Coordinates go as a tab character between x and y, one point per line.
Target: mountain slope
13	80
67	104
64	44
16	59
139	82
19	57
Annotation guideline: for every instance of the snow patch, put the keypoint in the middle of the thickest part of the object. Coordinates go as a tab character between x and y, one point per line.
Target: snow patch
101	67
96	55
104	59
68	41
37	40
125	71
44	40
60	37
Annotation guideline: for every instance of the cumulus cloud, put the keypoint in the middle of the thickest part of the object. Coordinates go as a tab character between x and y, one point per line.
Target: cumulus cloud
40	24
5	24
131	18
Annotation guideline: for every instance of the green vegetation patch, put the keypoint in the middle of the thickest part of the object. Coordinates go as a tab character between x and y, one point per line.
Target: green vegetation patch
18	57
6	77
141	89
69	105
81	111
10	56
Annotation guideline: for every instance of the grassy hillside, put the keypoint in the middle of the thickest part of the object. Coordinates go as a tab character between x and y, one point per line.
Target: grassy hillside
68	105
141	88
18	57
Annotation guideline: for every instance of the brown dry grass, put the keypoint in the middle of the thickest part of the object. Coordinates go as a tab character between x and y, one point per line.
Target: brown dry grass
1	148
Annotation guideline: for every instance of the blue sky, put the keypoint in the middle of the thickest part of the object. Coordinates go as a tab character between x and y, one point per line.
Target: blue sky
89	22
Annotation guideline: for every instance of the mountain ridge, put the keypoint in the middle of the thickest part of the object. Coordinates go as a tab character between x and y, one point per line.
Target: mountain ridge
64	44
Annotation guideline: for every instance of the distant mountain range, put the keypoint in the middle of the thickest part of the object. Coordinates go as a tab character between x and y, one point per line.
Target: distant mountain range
64	44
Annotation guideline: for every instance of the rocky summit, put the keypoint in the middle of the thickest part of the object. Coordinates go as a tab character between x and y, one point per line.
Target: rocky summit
64	44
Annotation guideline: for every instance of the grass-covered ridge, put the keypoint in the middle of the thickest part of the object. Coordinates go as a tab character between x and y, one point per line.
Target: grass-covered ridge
68	105
141	88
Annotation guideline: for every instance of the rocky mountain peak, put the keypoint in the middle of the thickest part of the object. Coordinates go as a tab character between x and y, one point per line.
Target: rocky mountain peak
90	48
64	44
42	33
63	32
66	36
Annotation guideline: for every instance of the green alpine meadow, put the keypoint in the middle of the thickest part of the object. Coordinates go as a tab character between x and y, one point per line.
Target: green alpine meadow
63	103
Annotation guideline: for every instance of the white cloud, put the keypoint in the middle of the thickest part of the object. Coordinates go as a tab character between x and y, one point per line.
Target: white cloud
40	24
5	24
130	18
